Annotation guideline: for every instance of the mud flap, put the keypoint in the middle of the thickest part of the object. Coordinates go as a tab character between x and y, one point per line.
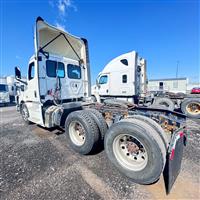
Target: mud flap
173	161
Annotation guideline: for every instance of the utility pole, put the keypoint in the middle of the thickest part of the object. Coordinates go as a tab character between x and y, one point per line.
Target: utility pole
177	65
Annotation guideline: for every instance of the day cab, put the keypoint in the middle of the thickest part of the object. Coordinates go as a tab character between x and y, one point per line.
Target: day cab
58	72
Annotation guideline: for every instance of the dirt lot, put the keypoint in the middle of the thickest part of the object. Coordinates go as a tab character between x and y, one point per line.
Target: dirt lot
36	163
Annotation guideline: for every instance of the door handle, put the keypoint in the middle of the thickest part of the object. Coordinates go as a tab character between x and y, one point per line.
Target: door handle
35	94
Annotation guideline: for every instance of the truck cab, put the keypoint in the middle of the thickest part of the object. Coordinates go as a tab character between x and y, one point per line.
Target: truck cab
58	73
4	94
124	77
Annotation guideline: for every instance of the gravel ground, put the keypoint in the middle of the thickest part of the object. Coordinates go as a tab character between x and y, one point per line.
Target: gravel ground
37	163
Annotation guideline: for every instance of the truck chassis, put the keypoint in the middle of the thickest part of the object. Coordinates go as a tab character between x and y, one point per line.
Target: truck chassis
141	142
131	135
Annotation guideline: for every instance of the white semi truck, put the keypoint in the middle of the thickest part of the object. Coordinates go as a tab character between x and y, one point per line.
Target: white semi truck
125	78
4	94
140	142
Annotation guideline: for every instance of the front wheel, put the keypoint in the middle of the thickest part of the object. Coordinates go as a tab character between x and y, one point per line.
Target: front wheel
24	112
135	149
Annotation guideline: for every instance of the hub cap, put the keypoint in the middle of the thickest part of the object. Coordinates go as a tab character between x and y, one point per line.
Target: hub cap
193	108
77	133
130	152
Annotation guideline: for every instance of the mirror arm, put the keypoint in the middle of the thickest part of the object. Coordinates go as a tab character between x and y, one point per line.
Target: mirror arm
24	82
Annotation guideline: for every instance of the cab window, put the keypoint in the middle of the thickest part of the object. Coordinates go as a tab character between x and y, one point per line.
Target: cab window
74	71
54	68
124	61
61	70
31	71
3	88
124	78
103	79
51	68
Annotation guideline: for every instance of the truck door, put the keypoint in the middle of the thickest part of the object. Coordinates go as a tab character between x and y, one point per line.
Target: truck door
32	95
103	82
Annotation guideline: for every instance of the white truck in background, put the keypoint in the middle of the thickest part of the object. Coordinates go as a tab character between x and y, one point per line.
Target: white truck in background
11	87
10	83
123	78
4	94
140	142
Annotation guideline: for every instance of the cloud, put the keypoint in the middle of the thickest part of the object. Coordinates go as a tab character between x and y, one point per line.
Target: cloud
60	26
64	6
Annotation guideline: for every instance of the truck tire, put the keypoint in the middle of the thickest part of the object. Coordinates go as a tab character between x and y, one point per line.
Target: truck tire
81	131
152	130
100	121
137	151
191	107
24	113
168	103
157	128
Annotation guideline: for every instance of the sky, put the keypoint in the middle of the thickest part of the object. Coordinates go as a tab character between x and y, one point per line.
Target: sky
164	32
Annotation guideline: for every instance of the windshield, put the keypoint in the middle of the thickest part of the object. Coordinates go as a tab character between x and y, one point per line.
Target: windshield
3	88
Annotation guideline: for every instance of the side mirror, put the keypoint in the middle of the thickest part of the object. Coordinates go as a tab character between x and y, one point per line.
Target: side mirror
22	88
17	73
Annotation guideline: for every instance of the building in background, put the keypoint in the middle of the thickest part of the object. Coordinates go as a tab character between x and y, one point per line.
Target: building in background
3	80
169	85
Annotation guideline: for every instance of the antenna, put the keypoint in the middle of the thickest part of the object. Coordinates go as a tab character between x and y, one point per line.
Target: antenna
177	65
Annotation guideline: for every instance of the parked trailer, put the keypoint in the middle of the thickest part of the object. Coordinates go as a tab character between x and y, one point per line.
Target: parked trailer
140	142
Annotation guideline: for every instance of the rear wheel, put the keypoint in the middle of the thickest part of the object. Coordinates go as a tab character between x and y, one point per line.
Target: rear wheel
191	107
81	131
164	102
136	150
100	121
165	138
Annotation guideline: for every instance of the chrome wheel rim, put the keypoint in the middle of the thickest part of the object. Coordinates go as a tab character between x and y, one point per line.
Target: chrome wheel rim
130	152
77	133
193	108
25	114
